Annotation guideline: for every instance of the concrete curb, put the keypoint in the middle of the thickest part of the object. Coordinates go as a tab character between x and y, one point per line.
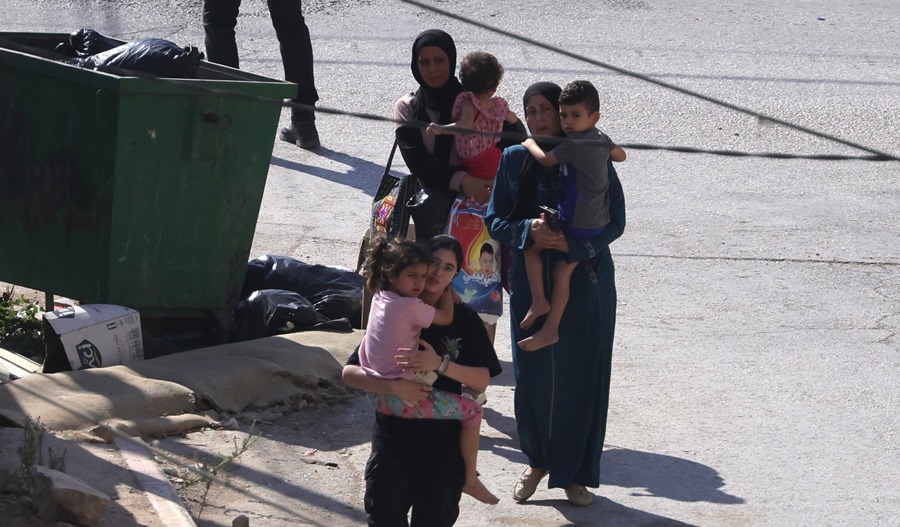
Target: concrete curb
157	488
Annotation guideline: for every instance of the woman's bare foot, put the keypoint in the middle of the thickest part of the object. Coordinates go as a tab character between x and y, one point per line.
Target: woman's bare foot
539	340
477	490
539	307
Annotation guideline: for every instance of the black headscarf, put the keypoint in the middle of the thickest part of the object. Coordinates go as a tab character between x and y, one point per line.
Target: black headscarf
546	88
439	100
549	90
526	200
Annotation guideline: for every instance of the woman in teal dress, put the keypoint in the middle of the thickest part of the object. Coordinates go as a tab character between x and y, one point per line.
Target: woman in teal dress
562	391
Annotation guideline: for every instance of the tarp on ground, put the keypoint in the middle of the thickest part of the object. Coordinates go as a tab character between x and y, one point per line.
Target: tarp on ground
229	378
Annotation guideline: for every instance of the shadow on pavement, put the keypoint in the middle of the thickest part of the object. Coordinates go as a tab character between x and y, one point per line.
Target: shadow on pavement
506	377
363	175
663	476
607	513
506	447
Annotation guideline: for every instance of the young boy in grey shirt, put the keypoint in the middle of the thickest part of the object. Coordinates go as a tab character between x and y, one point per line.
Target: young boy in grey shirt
583	207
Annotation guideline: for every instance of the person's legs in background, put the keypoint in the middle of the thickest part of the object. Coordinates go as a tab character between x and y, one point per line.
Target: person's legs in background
491	329
219	21
297	57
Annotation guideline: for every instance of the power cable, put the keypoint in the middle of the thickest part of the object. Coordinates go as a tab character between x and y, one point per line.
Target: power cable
880	156
194	85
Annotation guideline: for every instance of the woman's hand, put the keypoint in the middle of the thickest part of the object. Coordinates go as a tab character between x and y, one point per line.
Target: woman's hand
477	189
410	391
415	360
434	129
545	238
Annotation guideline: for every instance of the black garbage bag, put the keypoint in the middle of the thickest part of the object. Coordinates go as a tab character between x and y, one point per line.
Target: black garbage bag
336	293
86	42
155	56
275	311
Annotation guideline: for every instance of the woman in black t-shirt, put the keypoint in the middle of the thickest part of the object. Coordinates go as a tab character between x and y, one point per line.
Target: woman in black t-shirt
416	463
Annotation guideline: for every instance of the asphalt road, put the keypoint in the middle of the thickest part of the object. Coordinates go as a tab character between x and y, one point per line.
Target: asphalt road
756	366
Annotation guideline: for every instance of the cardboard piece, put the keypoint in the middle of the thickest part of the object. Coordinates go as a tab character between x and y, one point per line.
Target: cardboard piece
91	336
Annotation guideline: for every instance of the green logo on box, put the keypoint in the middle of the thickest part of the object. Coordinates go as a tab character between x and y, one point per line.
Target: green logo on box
88	354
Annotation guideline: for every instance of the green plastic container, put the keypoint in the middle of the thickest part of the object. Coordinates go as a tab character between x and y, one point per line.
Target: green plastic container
130	191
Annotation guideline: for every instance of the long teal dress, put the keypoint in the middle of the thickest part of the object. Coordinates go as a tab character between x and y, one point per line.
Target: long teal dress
562	391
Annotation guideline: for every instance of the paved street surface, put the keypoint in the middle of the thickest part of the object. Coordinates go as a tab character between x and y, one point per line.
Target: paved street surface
756	365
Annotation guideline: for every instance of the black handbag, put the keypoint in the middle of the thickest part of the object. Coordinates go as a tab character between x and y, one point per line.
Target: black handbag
430	208
390	215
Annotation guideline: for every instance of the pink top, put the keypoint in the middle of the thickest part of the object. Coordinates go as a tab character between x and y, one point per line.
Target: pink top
469	146
394	322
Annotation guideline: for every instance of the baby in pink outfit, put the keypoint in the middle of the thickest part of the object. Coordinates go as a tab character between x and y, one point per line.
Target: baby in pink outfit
478	109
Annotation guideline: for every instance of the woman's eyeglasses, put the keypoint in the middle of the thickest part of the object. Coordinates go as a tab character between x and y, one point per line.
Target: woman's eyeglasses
443	267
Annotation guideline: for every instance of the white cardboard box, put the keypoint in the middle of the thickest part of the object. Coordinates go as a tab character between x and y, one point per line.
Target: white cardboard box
95	335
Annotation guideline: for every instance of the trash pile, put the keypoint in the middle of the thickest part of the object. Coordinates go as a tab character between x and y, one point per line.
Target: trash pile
154	56
282	295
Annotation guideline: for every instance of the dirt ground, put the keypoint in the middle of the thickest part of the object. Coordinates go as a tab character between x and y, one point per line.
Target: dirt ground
295	470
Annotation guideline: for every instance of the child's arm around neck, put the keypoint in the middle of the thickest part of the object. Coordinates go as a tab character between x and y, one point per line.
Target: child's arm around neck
546	159
443	314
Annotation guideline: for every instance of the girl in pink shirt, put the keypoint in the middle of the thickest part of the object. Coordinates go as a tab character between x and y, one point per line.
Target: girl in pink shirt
395	272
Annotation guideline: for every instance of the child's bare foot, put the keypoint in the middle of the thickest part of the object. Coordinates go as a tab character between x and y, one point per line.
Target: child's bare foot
477	490
539	340
539	308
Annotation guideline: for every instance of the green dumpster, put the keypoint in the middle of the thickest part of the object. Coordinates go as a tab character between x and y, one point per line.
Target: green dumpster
130	191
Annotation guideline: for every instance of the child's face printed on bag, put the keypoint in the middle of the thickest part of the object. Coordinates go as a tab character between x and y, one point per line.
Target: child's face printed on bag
541	116
442	270
576	118
486	263
410	281
434	66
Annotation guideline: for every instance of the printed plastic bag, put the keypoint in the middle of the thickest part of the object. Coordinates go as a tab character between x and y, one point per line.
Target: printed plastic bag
390	217
478	281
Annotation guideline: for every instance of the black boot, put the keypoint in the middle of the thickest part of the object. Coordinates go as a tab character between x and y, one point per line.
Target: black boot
301	133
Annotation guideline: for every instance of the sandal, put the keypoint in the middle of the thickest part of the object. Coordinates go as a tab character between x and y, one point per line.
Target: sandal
578	495
528	483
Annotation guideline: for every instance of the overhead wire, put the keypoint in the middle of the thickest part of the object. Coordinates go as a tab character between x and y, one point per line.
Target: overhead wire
876	155
193	84
873	155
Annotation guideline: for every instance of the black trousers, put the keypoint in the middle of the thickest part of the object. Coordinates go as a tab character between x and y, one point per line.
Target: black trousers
415	464
219	21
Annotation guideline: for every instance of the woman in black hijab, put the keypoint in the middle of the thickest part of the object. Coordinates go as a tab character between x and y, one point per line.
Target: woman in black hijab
433	158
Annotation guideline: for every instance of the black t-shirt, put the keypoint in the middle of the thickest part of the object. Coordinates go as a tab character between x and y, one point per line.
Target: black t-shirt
467	342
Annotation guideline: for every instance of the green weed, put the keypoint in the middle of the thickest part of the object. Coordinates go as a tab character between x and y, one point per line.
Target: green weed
20	324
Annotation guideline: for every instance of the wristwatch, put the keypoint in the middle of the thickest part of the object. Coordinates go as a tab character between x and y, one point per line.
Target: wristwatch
445	363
